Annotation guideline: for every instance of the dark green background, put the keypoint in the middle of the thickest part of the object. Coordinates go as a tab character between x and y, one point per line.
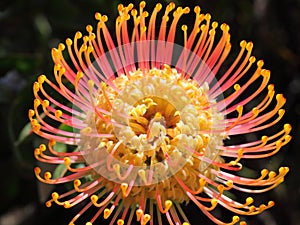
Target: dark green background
28	31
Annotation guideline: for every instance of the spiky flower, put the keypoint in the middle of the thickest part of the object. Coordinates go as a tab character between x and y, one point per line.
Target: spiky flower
148	121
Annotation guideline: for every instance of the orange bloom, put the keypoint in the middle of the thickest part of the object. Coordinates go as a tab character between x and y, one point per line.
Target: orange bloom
147	121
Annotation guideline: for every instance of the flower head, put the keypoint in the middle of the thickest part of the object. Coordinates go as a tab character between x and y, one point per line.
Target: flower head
147	121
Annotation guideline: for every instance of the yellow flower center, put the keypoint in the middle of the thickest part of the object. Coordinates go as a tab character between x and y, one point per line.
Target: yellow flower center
160	121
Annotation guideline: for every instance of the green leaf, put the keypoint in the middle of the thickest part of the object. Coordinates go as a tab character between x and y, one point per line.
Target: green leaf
60	147
65	127
59	171
25	132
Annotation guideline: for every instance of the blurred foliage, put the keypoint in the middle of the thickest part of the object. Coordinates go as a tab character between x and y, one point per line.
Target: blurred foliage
28	31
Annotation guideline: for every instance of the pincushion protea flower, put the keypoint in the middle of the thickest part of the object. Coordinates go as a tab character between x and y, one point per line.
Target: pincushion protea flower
146	119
